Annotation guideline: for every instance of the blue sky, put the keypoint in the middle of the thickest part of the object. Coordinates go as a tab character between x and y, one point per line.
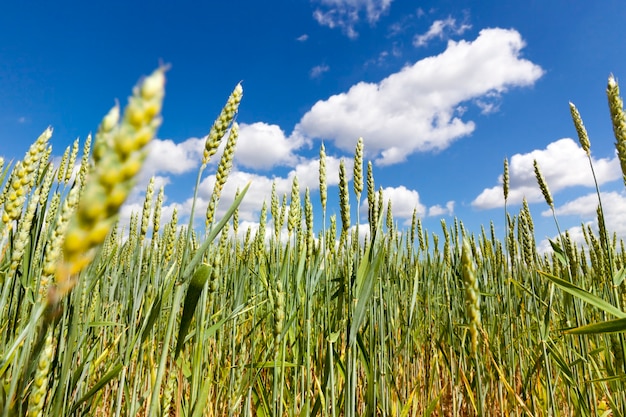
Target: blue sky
440	91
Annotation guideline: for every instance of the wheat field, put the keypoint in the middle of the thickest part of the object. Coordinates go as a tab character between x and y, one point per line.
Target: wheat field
100	318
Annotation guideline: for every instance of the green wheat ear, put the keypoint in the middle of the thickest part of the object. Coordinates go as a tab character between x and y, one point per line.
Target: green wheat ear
616	107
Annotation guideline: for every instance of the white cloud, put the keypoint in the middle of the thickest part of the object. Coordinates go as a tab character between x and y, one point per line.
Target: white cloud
263	146
345	14
403	202
438	210
260	189
302	38
166	156
318	70
414	109
563	163
441	29
613	206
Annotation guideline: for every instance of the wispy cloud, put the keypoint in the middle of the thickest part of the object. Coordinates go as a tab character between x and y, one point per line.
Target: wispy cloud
345	14
441	29
318	70
302	38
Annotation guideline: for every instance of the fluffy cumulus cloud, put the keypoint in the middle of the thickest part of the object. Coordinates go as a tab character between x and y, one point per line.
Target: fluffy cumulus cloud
415	109
263	146
166	156
307	172
441	29
563	163
345	14
584	207
438	210
403	202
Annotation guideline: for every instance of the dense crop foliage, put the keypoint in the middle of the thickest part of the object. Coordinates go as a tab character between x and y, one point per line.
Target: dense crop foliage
102	318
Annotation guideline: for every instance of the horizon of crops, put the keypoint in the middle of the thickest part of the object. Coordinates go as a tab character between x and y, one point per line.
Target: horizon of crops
101	318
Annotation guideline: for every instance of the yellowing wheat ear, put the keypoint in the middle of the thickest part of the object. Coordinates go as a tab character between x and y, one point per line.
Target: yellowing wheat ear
118	154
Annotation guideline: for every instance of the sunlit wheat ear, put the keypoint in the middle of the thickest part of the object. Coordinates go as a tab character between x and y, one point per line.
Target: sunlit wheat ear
616	107
39	388
156	217
23	232
358	169
46	185
147	207
472	295
420	235
293	222
332	234
236	215
260	235
84	162
322	177
543	185
583	138
275	210
223	169
118	159
53	250
283	211
22	178
63	165
279	309
222	123
71	161
526	233
169	236
37	152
